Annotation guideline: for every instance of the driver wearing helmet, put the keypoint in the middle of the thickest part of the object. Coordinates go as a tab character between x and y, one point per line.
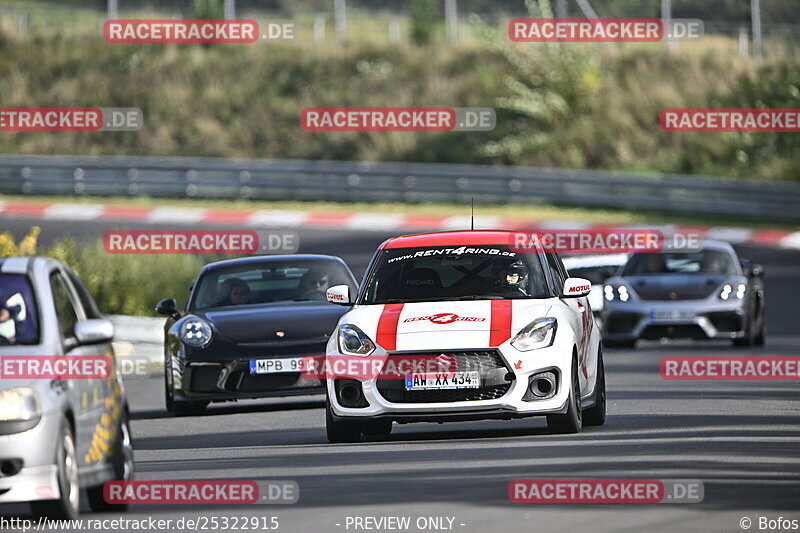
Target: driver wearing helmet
511	279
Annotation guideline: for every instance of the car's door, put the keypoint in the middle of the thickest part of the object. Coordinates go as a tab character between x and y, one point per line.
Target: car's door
87	396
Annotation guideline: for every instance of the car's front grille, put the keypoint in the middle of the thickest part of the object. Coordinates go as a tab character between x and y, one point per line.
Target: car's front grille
493	371
621	323
689	331
726	320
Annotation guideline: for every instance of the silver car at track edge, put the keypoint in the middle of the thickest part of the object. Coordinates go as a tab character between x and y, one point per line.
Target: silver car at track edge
57	436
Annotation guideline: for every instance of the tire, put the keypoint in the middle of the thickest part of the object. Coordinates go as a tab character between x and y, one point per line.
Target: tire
169	401
761	336
748	340
67	507
340	431
123	470
379	428
572	420
596	416
180	408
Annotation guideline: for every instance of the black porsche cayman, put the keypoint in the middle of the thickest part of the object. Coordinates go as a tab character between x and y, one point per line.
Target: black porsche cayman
247	325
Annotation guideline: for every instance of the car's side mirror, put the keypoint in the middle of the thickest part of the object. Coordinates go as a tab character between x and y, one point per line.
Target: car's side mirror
576	287
94	331
168	307
750	269
339	294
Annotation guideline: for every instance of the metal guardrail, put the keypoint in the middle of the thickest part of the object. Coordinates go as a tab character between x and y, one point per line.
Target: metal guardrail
336	181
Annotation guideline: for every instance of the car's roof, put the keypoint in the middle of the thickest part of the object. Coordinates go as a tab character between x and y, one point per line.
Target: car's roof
452	238
263	259
25	264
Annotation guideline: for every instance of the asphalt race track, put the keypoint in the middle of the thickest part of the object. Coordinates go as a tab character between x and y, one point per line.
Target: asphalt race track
741	439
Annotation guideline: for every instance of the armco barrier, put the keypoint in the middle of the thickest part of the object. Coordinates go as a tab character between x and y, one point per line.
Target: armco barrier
337	181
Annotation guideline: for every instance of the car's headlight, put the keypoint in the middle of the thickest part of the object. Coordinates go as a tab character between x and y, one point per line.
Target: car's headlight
18	404
538	334
727	291
196	332
353	341
620	293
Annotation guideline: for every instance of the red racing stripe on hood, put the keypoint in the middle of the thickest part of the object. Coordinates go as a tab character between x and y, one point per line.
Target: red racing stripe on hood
500	324
386	337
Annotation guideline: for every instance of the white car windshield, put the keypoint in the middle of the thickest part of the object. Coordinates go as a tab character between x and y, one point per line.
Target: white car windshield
454	273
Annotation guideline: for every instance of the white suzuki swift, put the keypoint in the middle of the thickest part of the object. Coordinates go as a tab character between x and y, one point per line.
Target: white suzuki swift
516	331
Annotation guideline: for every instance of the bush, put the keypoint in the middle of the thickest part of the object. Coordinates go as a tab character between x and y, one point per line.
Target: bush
121	284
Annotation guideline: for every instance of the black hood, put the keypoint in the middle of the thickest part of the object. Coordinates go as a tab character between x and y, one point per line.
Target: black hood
675	286
274	323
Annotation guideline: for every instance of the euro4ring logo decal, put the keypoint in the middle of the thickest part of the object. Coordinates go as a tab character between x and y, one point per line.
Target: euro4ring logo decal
445	318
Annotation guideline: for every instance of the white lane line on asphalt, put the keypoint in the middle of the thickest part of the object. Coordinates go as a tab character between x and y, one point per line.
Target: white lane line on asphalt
175	215
278	218
73	212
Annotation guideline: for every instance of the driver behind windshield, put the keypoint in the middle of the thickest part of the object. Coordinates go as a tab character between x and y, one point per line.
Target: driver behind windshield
314	284
235	292
511	279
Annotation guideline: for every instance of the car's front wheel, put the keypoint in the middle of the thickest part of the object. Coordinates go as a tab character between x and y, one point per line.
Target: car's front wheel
596	416
67	506
572	420
340	431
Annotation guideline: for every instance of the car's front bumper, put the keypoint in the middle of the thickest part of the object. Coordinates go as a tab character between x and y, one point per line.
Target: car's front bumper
34	451
232	380
653	320
515	402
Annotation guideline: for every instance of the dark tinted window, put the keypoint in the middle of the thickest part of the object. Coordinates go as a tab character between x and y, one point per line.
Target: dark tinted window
19	316
706	262
65	310
273	281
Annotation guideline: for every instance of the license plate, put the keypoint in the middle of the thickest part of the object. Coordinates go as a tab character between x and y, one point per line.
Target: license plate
672	314
276	366
454	380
